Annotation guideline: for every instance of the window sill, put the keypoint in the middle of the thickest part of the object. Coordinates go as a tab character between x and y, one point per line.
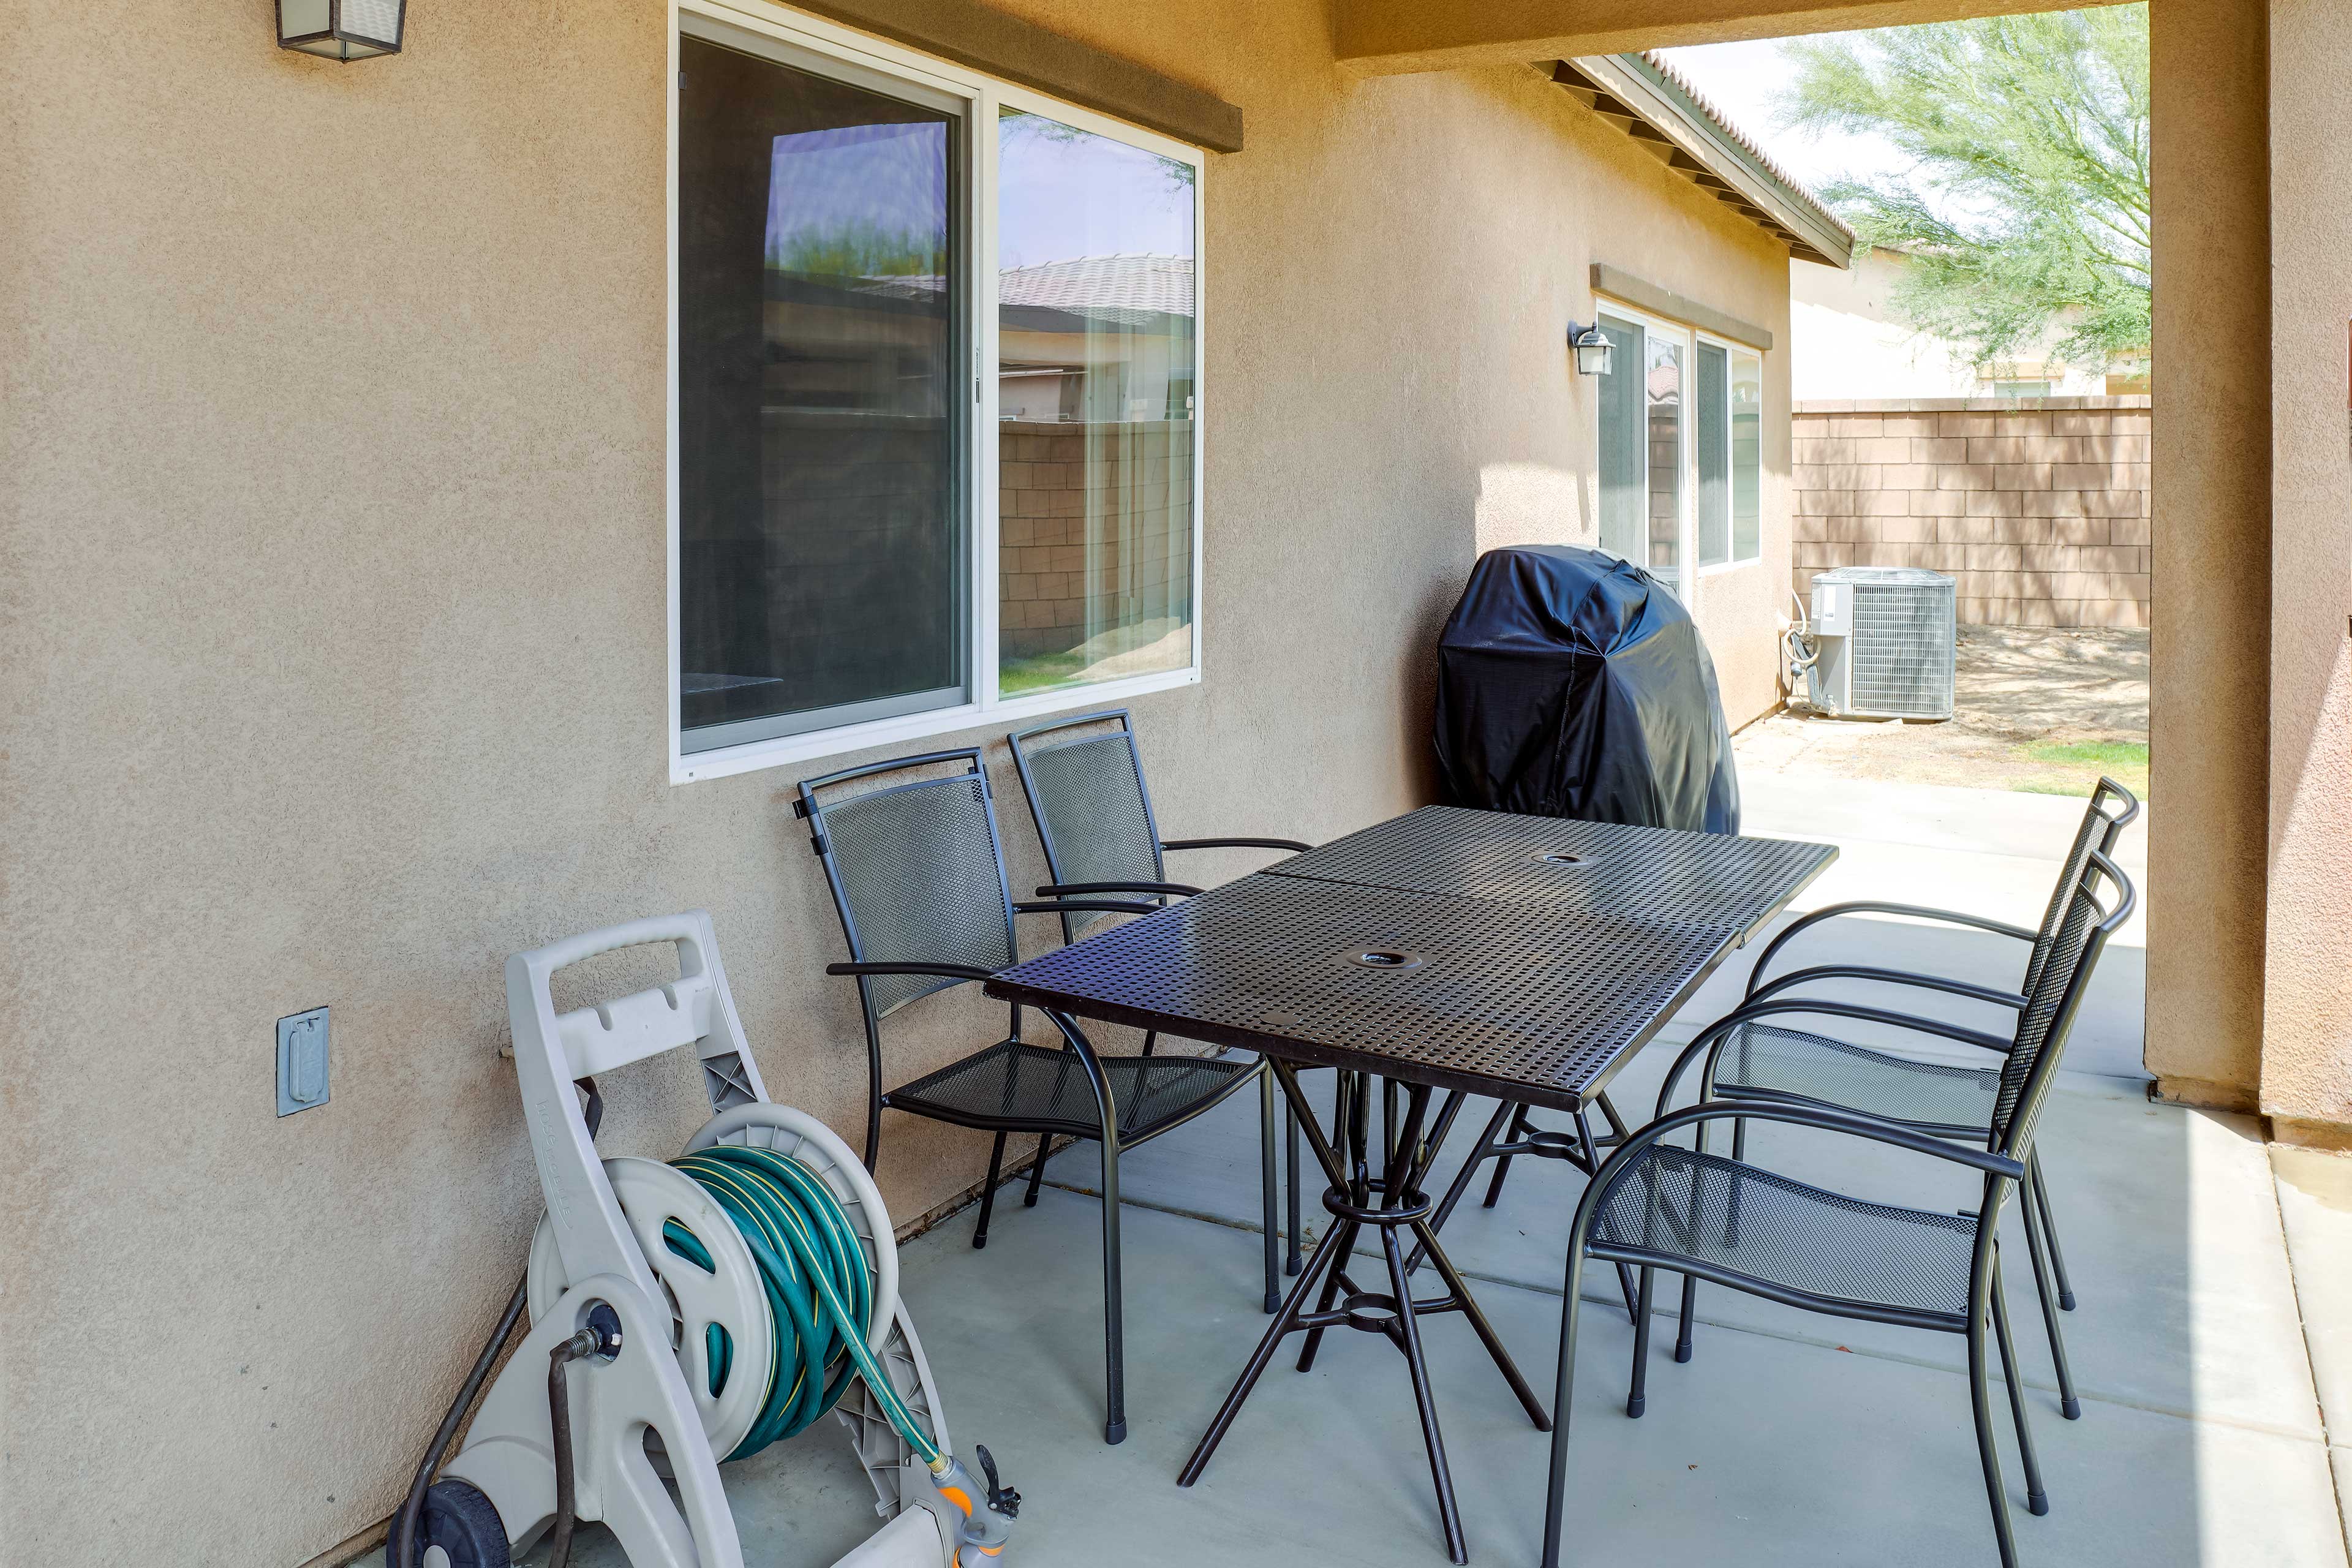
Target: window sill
696	767
1720	567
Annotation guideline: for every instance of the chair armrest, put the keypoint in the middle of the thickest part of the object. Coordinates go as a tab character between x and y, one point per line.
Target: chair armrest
1872	907
2009	999
1827	1120
1086	906
1712	1037
944	971
1062	890
1292	845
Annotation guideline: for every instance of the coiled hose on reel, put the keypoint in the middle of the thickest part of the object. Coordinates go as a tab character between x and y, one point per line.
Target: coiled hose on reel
819	1285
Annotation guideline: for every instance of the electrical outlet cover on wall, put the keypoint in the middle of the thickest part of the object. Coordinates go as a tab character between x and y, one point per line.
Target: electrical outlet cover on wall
301	1061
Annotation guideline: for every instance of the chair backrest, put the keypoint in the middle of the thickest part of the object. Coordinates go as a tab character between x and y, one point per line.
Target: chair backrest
2112	808
1085	785
2099	904
911	851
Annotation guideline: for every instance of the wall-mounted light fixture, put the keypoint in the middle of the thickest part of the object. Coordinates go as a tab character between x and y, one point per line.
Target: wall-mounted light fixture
1592	349
344	30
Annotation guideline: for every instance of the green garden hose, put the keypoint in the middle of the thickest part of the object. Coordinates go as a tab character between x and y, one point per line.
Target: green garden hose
819	1286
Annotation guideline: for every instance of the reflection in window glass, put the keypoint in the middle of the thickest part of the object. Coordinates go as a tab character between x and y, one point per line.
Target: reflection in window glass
1624	505
1746	457
1662	392
819	545
1096	372
1712	439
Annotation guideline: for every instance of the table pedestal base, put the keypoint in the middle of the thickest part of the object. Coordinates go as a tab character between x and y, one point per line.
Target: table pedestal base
1388	1203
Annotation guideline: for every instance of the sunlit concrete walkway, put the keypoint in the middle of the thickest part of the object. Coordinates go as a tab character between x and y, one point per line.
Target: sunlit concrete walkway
2214	1339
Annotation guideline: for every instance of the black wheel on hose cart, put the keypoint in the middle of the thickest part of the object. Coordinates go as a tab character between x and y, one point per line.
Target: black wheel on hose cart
462	1522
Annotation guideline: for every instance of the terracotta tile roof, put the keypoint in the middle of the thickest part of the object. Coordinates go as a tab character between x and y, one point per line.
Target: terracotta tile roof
1120	289
1657	61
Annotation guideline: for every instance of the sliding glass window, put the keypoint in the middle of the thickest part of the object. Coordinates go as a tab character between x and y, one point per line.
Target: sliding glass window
1680	458
1730	456
821	529
1096	368
1746	457
937	350
1624	469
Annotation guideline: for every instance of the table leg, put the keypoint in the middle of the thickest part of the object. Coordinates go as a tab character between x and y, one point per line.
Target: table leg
1388	1203
1449	1512
1285	1321
1478	1150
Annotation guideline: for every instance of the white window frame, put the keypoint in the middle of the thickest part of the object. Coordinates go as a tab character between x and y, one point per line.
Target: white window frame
1686	493
1730	435
1688	338
1733	348
984	96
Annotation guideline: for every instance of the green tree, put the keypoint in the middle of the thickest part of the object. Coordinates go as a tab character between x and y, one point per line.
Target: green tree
2026	206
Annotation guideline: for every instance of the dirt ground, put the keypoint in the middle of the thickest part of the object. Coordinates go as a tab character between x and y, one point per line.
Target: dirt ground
2037	710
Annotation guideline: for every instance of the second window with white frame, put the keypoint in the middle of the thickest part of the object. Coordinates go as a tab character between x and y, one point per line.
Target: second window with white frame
937	356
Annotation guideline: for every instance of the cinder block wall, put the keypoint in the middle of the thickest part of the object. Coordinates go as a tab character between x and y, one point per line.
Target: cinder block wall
2039	506
1138	474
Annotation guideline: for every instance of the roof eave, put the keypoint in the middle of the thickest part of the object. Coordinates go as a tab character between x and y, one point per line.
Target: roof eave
1629	87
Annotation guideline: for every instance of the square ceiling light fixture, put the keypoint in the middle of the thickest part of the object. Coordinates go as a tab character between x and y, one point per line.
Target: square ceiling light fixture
343	30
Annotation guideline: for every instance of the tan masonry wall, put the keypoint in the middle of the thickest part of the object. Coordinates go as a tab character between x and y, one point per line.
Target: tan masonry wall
2038	506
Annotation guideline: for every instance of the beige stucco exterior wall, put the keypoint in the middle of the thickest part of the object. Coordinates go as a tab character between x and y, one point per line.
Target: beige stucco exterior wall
334	436
2208	715
2307	1068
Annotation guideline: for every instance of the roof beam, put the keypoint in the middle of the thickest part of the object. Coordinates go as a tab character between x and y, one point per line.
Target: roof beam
1677	131
1385	37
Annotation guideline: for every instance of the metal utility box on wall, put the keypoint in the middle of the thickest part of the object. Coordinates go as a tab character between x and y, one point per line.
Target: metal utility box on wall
1884	643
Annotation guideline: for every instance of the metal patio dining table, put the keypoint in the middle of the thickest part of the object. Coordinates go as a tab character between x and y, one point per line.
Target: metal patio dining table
1444	950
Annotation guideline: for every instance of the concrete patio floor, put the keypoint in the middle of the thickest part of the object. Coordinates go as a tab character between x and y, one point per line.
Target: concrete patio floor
2214	1339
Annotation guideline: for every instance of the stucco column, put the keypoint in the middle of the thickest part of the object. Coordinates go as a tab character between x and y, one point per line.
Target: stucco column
2210	604
2307	1064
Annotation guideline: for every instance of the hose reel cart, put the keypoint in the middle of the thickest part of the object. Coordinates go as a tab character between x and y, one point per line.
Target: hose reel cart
685	1312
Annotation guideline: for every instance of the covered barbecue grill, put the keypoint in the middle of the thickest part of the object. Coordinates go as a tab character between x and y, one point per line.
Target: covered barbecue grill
1571	683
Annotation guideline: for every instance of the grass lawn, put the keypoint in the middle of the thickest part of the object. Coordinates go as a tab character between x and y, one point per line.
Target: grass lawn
2076	766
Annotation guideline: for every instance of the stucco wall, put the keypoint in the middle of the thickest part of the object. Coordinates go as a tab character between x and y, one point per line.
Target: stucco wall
2306	1073
333	430
1851	342
2208	728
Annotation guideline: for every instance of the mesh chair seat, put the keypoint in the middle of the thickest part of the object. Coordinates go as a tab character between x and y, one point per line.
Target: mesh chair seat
1042	1088
1678	1203
1760	1061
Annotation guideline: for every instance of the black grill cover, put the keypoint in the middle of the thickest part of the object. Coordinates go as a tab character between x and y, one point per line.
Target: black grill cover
1571	683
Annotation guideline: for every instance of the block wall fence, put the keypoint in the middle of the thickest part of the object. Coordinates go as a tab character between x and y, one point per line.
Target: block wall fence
2038	506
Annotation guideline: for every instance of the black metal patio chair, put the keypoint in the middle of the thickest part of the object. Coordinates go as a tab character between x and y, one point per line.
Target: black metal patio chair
1757	1062
1656	1204
910	852
1083	780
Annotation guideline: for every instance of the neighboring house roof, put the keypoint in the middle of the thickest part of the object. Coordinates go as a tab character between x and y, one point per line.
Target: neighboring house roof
1103	287
1140	290
1655	105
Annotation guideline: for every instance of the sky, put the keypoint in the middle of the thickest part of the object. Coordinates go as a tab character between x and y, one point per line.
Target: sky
1744	80
1063	193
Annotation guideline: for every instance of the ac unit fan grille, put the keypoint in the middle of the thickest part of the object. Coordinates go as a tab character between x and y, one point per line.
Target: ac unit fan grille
1902	650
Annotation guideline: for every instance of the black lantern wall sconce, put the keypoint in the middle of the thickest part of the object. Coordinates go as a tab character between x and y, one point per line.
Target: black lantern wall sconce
343	30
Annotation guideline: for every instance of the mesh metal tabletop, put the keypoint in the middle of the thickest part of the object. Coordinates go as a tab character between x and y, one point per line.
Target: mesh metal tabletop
1646	873
1443	989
